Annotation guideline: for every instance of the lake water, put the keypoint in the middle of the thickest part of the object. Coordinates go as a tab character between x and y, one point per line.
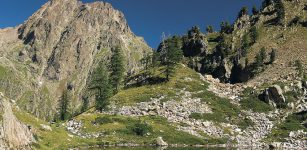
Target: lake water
156	148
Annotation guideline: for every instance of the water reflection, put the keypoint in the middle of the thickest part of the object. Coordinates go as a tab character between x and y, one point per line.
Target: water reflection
155	148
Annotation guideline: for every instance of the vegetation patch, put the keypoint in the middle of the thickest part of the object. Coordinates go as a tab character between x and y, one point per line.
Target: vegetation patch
250	101
122	129
293	122
184	78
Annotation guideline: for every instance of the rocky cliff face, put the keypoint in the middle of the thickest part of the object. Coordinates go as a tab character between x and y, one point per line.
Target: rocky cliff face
59	46
13	134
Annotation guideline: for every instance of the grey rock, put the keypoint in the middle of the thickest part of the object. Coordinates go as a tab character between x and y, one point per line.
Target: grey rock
160	142
46	127
274	95
13	133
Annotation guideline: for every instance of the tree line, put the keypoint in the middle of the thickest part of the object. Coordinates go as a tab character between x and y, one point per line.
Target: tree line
105	82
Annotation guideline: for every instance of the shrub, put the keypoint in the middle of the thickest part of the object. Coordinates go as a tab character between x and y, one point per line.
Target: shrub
299	68
273	56
251	101
103	120
141	128
244	123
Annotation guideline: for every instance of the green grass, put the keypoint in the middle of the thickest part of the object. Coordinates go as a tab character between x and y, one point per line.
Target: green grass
178	82
223	110
119	130
3	72
292	123
57	139
250	101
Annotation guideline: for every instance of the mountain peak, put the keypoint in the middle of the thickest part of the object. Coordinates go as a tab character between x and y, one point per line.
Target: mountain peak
68	37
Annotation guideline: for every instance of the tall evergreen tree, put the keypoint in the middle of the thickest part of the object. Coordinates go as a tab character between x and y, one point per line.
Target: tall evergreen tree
226	27
64	102
266	3
155	61
100	84
273	56
173	55
146	61
117	69
243	12
245	42
255	11
258	62
263	55
254	34
279	6
223	49
209	29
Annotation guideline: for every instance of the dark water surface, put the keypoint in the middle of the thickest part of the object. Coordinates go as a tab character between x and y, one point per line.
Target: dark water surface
156	148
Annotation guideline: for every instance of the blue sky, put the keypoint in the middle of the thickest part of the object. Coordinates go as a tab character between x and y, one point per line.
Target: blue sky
147	18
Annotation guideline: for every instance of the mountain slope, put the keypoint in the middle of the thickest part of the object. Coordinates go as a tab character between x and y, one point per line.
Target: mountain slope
58	47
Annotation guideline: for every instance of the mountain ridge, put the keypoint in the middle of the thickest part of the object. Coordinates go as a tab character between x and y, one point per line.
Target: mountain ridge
55	47
220	88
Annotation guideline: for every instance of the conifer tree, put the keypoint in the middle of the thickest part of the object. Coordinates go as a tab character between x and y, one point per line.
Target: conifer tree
155	59
245	45
226	27
279	6
243	12
146	62
117	69
255	10
64	102
273	56
100	84
263	55
209	29
173	55
254	34
258	61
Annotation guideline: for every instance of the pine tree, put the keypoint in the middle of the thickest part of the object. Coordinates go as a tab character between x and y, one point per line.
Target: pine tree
263	55
223	48
146	61
255	10
258	61
299	68
279	6
173	55
246	62
226	27
266	3
209	29
155	59
254	34
117	69
273	56
243	12
64	102
100	84
245	45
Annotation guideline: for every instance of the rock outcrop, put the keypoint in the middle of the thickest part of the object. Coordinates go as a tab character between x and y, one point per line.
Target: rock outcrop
274	96
13	133
161	142
59	46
